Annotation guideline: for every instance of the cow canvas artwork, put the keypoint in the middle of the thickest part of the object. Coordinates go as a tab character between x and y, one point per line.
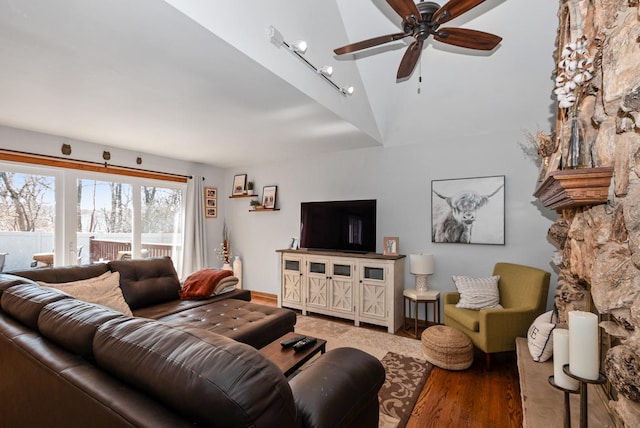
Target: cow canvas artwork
468	210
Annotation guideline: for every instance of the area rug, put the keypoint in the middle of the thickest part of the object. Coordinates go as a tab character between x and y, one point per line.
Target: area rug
406	370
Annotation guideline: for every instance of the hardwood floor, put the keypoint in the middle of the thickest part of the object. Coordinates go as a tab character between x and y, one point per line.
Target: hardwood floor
472	398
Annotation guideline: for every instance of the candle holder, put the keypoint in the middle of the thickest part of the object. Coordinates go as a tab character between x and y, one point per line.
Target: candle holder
567	404
584	416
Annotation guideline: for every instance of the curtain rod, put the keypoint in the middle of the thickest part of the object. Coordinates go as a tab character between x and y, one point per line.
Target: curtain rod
32	158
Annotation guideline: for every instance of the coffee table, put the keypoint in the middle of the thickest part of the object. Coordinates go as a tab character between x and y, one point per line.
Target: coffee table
289	360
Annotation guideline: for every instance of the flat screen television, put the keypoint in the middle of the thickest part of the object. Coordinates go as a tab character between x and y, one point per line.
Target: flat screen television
348	226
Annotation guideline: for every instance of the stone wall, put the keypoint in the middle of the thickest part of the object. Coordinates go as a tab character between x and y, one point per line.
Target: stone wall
599	246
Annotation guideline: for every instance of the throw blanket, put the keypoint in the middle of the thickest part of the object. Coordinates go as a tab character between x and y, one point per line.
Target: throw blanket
206	283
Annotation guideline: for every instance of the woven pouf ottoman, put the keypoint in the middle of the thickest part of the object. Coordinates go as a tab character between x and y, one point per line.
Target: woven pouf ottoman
447	347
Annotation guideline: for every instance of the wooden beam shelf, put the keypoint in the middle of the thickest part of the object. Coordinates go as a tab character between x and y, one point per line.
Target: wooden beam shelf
572	188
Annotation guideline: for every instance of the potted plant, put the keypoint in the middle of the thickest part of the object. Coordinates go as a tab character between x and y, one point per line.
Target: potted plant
250	188
255	204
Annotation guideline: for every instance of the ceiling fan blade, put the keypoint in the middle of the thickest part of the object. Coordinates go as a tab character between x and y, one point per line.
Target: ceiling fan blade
465	38
453	9
405	8
369	43
410	59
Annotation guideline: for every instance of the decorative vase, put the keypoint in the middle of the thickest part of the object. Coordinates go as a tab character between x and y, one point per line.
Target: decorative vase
237	271
576	151
226	266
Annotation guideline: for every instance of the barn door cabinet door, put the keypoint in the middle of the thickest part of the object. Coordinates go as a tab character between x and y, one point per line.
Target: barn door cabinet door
292	277
380	293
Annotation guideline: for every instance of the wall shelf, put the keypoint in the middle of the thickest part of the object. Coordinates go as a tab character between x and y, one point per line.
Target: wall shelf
571	188
242	196
257	210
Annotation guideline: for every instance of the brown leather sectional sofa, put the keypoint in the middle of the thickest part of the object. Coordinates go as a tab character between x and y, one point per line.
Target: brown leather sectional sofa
66	362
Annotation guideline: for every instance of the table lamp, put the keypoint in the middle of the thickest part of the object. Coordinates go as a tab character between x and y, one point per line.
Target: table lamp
421	267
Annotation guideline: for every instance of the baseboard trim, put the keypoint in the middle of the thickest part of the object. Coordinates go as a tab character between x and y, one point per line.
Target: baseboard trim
272	298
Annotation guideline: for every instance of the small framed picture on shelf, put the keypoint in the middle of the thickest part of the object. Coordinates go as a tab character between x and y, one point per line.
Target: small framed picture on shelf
269	197
210	202
390	245
239	184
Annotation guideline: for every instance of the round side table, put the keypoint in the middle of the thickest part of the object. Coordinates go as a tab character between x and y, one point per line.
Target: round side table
429	296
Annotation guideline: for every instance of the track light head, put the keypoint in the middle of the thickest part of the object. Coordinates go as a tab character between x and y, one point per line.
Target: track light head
347	90
326	70
299	46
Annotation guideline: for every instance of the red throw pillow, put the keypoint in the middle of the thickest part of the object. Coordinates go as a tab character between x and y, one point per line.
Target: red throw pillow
201	284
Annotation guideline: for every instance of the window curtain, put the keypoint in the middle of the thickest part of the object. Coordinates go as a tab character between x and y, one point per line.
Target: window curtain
194	256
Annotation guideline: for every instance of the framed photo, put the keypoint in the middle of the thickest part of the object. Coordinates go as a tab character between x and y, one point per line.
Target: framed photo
468	210
269	197
390	245
239	184
210	202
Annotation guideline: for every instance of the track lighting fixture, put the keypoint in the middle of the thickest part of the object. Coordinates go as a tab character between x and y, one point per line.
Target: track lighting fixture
300	47
326	70
347	90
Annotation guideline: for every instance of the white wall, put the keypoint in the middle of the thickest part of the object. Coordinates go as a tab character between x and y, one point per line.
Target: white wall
400	179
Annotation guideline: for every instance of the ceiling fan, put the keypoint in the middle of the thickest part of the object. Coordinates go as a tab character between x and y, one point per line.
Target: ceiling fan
423	20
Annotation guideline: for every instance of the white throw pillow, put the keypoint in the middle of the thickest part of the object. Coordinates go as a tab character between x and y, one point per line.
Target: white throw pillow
540	336
102	290
478	293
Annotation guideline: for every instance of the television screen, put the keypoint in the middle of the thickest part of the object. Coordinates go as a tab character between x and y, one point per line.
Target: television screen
348	226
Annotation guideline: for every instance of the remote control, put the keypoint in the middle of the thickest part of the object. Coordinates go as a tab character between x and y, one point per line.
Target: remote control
304	343
290	342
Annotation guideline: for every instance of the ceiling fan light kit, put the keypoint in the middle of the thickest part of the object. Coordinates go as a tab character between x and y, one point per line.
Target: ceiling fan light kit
423	20
298	49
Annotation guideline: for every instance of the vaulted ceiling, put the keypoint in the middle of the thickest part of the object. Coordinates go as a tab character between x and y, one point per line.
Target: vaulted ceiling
200	81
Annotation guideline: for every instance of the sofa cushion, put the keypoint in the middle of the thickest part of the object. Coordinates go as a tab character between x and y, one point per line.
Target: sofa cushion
72	324
64	273
478	293
250	323
25	301
102	290
147	282
210	379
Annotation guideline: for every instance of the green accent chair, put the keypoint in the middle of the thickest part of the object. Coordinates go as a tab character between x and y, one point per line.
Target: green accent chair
523	295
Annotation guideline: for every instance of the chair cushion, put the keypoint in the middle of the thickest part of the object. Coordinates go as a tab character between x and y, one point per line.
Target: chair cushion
468	318
478	293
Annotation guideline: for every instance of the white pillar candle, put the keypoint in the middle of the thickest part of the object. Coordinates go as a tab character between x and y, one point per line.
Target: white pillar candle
560	358
584	360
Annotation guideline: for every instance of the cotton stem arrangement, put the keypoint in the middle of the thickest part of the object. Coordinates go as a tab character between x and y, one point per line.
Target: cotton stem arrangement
575	69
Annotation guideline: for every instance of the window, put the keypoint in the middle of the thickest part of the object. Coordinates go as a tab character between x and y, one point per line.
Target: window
27	223
105	217
116	217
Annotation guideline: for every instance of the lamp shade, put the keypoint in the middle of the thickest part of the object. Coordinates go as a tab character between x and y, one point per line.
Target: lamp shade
421	264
